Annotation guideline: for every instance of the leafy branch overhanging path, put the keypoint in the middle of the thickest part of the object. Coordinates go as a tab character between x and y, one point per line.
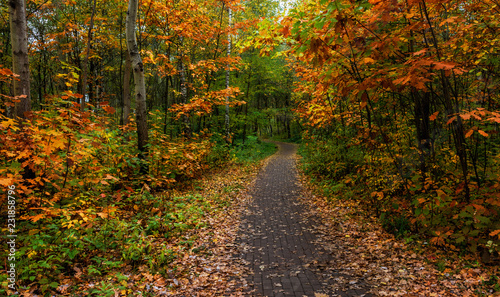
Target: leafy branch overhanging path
278	241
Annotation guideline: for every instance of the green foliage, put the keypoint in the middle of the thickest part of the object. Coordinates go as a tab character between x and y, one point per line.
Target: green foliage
329	159
395	223
252	150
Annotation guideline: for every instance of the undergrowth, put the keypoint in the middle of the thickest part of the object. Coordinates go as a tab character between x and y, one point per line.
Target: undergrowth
343	169
89	217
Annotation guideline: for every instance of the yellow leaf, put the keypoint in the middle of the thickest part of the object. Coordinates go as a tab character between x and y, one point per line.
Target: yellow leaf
368	60
7	123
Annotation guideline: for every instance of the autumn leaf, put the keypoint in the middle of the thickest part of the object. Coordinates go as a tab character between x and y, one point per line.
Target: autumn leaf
434	116
368	61
108	109
444	65
483	133
5	182
37	217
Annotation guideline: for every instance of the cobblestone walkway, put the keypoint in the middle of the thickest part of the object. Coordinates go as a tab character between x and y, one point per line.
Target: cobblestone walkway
278	242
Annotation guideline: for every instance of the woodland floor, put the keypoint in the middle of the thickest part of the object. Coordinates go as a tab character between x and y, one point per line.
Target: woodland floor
278	239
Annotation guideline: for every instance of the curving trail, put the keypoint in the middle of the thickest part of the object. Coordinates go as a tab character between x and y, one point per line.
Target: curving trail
278	242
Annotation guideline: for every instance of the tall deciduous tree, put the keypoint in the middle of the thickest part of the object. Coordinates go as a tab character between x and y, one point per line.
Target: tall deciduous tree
139	81
20	61
86	61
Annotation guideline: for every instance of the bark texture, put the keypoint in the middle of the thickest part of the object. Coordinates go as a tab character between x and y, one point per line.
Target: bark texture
20	61
139	81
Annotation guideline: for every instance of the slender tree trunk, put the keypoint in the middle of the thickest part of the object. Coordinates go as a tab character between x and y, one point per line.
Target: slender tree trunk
139	81
165	107
226	118
246	108
20	60
126	88
167	91
184	94
86	61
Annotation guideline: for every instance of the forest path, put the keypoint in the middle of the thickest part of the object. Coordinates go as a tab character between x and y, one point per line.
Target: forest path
277	240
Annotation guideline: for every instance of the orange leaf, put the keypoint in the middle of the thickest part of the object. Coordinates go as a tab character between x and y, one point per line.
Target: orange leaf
285	31
483	133
108	109
37	217
496	232
434	116
451	120
469	133
444	65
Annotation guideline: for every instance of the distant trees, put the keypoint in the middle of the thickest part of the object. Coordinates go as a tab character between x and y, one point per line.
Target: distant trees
189	50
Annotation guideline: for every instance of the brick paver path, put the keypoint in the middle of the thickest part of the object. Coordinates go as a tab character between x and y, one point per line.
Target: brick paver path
277	240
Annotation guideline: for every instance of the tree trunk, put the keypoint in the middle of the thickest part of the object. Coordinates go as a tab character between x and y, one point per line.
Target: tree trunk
86	61
20	61
184	94
139	81
126	88
226	118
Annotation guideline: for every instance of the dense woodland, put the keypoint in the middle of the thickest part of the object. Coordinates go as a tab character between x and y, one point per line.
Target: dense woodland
401	101
109	108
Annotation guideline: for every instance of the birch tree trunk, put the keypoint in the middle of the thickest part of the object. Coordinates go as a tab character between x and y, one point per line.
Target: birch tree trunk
139	81
20	60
